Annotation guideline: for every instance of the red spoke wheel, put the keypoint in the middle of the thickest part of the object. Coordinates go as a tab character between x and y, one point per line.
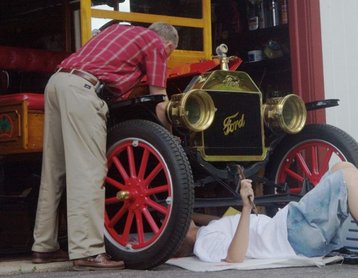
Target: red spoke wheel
307	160
306	156
149	194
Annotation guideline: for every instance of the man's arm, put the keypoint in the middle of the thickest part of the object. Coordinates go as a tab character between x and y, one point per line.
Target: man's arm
160	109
240	242
202	219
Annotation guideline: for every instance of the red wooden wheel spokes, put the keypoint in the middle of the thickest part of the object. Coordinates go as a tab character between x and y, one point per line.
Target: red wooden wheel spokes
307	160
138	194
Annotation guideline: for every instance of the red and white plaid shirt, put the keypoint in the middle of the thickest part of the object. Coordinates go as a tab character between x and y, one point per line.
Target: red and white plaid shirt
121	56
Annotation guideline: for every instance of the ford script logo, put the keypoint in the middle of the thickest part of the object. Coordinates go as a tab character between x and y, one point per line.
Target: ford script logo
233	123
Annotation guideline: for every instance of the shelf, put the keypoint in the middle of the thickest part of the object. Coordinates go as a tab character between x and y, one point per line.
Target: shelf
258	39
260	36
269	74
268	64
282	29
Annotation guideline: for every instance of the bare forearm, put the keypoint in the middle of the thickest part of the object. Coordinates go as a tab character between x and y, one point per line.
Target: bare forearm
161	107
240	242
161	113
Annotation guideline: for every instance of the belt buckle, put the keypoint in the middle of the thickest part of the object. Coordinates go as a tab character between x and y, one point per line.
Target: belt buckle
97	86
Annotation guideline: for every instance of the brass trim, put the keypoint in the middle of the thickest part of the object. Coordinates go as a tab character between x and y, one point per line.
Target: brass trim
287	114
199	146
193	110
232	157
123	195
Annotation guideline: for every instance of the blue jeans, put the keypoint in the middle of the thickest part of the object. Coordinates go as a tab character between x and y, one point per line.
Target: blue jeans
314	223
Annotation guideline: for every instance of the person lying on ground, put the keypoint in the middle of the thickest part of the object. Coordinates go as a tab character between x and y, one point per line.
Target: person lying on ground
311	227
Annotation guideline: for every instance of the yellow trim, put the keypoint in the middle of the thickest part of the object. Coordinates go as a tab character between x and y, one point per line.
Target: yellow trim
179	56
232	157
86	25
146	18
207	28
25	125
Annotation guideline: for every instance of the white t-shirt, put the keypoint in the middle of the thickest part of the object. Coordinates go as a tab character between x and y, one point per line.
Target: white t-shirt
267	237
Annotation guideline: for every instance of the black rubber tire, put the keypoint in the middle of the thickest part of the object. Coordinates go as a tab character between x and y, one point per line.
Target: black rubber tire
176	165
314	135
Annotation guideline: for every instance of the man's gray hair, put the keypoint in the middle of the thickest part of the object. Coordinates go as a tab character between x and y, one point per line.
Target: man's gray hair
166	31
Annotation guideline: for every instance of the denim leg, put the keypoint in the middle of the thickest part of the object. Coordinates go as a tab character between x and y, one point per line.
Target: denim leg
314	223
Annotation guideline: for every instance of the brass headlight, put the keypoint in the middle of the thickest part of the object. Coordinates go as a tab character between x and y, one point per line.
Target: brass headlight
285	113
194	110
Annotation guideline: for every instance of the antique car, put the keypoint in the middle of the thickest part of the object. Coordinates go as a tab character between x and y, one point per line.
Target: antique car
157	178
220	120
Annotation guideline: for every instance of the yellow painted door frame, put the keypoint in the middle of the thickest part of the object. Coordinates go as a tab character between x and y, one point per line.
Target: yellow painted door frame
179	56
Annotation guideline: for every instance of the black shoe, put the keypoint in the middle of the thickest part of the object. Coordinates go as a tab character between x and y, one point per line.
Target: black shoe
49	257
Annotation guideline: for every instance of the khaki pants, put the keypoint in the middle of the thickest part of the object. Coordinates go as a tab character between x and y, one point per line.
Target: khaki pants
74	156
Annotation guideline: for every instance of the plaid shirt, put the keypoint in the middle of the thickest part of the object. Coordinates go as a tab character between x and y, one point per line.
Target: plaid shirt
121	56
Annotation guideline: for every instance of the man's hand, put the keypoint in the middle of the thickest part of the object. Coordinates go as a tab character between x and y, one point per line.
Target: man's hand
246	192
161	106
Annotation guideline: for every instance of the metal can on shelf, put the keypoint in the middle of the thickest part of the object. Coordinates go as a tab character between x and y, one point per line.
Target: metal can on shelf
262	15
283	11
255	55
275	13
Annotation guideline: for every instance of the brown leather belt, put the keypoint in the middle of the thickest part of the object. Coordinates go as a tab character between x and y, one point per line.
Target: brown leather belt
86	76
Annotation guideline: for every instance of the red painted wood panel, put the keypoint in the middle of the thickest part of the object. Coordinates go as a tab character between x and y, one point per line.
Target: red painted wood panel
306	53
